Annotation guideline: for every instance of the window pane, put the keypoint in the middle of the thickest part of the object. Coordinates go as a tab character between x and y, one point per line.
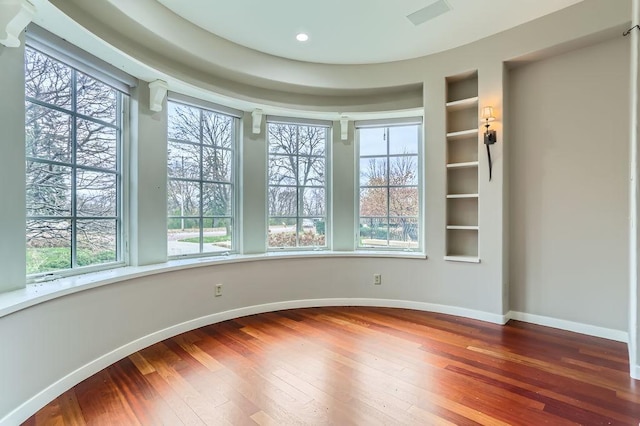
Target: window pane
373	202
183	160
48	133
184	122
48	245
46	79
216	199
403	232
183	198
372	141
217	235
312	140
373	232
217	164
312	234
48	188
403	170
95	193
403	139
403	201
282	232
97	145
313	201
282	170
217	129
283	201
183	236
373	171
96	242
311	171
96	99
283	138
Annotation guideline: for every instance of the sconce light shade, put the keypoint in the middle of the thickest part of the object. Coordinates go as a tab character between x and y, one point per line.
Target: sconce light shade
487	113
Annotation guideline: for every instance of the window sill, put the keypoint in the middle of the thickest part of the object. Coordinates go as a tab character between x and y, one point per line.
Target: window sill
41	292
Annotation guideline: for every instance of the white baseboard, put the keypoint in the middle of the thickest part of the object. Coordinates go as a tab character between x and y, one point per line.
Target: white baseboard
635	372
590	330
31	406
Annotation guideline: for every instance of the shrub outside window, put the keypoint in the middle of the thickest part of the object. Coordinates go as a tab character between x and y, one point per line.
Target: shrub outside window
201	181
389	184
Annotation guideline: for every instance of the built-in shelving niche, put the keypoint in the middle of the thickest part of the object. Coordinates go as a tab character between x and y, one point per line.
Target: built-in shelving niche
462	168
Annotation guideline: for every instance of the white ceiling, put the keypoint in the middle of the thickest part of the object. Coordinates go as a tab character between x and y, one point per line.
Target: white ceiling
356	31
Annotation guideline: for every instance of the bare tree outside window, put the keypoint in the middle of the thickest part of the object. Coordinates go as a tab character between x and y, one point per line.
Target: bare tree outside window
389	187
297	190
73	140
201	180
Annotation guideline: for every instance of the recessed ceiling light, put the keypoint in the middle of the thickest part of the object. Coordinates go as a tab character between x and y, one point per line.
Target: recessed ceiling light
302	37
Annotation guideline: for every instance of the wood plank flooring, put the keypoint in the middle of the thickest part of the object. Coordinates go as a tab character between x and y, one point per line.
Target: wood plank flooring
359	366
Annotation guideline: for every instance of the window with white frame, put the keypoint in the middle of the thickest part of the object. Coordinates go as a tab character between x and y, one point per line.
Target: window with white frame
201	180
297	192
74	131
389	182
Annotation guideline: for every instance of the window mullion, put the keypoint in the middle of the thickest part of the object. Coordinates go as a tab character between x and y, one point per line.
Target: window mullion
201	131
297	172
74	170
119	177
388	136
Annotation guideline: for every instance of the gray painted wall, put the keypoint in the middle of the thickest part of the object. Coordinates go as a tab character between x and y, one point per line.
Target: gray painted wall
568	175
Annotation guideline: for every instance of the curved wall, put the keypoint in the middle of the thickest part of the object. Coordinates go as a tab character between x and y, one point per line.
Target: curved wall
49	346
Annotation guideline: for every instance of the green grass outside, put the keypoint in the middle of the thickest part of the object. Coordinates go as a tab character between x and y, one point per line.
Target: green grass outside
208	239
46	259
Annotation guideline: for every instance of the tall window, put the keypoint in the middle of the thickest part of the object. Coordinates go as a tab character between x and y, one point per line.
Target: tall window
201	205
73	128
389	187
297	185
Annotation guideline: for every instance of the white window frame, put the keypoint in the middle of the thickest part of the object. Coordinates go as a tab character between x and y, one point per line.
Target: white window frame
387	123
236	115
79	61
301	122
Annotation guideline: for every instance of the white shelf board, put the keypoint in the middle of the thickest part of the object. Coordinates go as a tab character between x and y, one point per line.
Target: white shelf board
462	104
467	259
463	227
455	196
465	165
461	134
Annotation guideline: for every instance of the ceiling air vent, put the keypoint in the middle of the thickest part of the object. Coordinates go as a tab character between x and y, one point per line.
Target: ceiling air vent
429	12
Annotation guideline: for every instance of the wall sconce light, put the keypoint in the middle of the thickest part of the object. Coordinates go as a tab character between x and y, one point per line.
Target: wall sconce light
490	136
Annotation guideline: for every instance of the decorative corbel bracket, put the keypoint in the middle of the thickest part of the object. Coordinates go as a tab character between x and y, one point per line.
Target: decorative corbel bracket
256	115
344	127
15	15
157	93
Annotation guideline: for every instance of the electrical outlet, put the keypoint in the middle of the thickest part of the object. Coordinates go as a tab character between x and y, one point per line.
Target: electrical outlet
377	279
218	290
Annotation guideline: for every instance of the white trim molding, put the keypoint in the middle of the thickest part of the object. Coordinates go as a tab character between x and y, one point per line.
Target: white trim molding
634	371
344	127
576	327
157	94
256	123
15	15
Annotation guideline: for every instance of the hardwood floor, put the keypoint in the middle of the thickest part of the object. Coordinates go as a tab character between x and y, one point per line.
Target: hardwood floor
363	366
